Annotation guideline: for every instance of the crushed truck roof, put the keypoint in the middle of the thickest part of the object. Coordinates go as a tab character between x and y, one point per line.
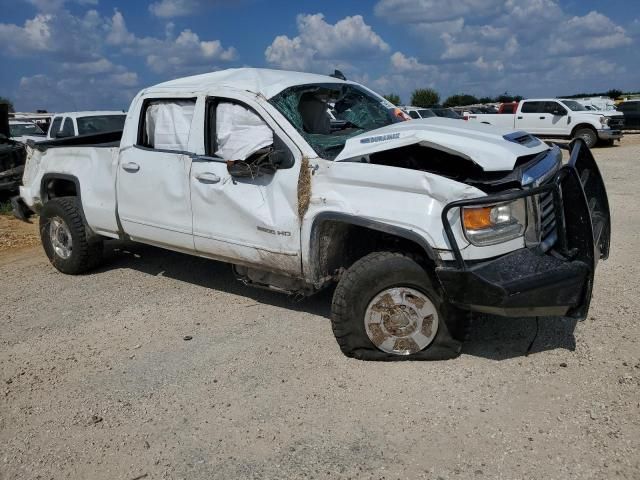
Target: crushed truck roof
264	81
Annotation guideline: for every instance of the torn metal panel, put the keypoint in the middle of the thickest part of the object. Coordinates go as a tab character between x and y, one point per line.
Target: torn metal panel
482	144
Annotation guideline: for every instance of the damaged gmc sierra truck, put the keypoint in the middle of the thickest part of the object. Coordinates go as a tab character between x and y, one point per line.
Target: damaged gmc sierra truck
418	223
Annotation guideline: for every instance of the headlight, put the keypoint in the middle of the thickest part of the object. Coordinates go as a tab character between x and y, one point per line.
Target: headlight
491	224
604	120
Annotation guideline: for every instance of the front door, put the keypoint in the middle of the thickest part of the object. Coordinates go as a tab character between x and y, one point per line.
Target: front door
250	219
153	176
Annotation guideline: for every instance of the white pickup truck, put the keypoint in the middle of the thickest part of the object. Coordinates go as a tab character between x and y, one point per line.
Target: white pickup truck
418	223
556	118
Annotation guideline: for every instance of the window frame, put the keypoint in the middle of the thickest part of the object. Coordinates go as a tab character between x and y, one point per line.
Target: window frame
68	121
210	144
539	107
141	123
52	132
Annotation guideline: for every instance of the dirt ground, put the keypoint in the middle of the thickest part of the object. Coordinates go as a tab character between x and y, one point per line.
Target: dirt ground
97	381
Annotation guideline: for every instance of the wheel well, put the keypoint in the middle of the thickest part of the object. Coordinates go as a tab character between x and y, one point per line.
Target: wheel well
53	187
336	245
580	126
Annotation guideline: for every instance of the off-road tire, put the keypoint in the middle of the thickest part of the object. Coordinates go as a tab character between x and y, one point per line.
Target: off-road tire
379	271
87	248
589	136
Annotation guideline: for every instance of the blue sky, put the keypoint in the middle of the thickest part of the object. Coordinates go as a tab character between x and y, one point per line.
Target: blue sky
95	54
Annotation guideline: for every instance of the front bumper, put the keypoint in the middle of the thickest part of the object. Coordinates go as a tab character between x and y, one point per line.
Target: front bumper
609	134
530	281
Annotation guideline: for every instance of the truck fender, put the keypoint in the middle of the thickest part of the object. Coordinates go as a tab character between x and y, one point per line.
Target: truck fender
393	230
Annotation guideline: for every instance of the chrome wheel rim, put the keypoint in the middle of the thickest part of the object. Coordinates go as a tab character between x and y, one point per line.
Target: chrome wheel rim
60	238
401	321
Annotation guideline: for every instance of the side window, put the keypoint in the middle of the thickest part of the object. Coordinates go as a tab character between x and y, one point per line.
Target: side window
235	132
532	107
165	124
67	128
55	126
550	107
414	114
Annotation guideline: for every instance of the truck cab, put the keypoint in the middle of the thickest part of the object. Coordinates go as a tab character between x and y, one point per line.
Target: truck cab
415	223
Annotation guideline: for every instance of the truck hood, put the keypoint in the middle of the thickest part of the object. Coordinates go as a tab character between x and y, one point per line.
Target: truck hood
492	148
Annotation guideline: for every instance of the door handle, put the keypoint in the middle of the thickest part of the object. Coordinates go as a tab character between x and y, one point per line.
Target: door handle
208	177
542	118
519	118
131	167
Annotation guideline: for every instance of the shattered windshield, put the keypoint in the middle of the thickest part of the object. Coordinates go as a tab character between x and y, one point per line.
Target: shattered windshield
355	110
575	106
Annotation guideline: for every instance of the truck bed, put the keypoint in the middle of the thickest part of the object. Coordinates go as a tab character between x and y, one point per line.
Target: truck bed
88	163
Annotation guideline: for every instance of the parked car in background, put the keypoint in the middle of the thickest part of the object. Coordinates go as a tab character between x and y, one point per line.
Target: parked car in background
595	103
553	118
508	108
12	155
415	223
73	124
418	112
631	111
434	111
21	131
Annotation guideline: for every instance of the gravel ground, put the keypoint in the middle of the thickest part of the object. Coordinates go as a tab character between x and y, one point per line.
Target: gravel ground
98	381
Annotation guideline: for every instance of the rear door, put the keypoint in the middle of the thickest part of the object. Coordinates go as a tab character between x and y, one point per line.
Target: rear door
251	219
533	118
153	175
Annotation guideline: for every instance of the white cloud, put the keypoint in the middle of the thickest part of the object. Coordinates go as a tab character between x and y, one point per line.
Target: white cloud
182	8
184	54
79	54
486	46
53	5
430	11
320	46
173	8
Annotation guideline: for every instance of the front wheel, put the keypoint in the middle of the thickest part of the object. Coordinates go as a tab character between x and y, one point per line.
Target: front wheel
386	307
66	238
589	136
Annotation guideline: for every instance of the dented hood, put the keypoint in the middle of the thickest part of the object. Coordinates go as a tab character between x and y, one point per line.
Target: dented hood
492	148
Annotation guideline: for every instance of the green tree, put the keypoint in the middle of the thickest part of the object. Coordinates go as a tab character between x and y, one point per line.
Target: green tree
460	100
424	97
393	98
486	100
8	102
614	93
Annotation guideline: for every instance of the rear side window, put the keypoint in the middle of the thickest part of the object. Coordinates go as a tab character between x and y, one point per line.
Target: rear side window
67	128
414	114
55	126
532	107
99	124
165	124
427	113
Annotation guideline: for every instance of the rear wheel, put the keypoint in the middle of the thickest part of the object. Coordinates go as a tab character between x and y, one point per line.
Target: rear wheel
589	136
386	307
66	239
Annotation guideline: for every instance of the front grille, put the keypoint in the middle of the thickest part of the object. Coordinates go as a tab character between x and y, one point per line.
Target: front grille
547	220
615	122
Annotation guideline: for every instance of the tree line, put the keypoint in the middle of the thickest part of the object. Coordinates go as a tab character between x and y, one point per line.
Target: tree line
427	97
